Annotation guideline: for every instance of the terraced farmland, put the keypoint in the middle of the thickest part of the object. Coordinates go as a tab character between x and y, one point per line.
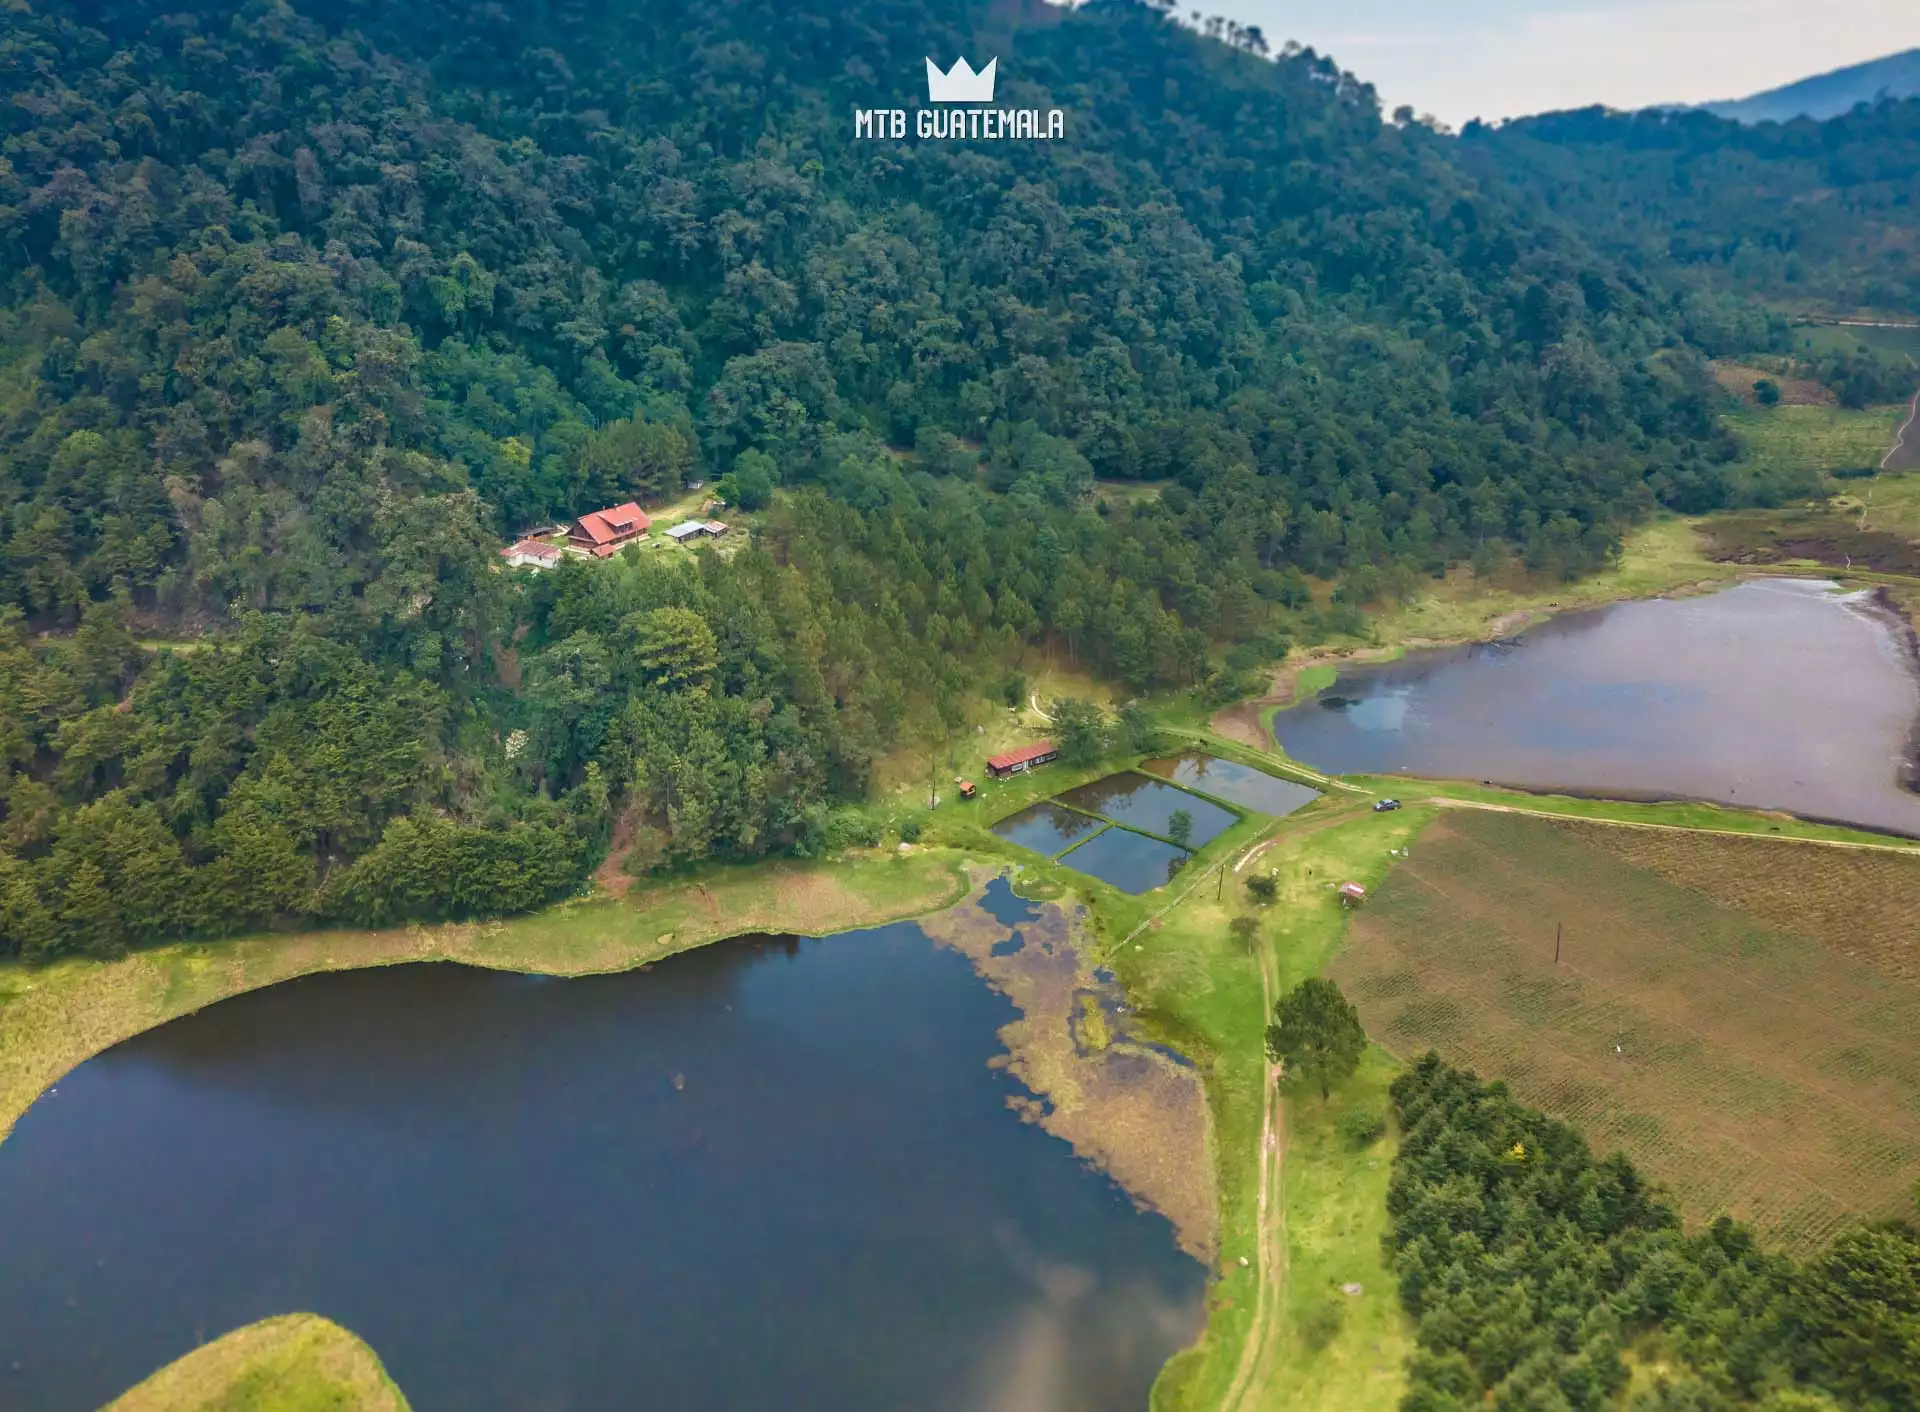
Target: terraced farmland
1753	1069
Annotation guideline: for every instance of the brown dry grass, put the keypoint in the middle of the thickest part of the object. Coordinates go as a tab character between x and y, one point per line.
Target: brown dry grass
1739	378
1752	1071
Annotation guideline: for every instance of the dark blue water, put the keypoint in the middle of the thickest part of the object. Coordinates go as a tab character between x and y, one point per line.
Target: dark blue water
1142	802
1046	828
768	1174
1129	861
1235	783
1776	694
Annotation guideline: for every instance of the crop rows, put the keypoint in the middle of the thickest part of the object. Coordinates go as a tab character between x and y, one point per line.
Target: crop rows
1751	1071
1861	904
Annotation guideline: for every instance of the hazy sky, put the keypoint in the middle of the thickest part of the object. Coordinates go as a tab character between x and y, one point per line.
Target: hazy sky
1460	59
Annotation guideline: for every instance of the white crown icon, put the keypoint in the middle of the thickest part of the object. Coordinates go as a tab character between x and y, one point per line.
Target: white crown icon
963	85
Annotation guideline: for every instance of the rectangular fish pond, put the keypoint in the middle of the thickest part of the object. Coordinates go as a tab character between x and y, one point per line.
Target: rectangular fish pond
1047	828
1142	802
1118	829
1130	861
1234	782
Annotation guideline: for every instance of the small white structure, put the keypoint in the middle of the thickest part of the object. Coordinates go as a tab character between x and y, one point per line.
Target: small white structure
530	554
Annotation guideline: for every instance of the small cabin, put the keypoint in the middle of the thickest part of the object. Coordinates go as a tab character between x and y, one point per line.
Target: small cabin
968	789
1013	762
530	554
1352	894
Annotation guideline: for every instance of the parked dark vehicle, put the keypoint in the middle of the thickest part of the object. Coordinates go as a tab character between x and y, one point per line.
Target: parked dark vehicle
1382	806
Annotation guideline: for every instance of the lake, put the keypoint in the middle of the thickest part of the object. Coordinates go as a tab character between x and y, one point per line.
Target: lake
1776	694
1141	802
1234	782
768	1173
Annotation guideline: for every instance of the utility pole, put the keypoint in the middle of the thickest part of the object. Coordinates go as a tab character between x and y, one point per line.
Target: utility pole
1556	943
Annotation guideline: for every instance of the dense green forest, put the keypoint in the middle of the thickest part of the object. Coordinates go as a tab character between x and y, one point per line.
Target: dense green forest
309	306
1535	1274
1805	216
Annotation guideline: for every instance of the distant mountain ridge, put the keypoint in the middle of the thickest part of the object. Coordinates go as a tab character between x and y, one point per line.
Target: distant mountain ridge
1828	95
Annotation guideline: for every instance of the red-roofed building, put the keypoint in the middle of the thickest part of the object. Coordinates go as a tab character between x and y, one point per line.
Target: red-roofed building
604	531
1025	758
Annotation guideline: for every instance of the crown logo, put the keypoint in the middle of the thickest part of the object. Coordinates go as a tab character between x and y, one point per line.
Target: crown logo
963	85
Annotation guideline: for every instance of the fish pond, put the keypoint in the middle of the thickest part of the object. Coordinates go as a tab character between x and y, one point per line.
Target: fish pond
1119	829
769	1173
1132	862
1144	803
1236	783
1776	694
1047	828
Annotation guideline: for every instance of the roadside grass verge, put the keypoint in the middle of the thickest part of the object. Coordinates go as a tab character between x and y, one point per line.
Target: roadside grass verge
54	1017
291	1363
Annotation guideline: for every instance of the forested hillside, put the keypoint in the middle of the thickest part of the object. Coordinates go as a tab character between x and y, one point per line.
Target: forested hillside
1798	215
309	306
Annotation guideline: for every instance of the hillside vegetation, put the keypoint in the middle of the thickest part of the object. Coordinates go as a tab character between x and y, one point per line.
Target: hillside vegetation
284	360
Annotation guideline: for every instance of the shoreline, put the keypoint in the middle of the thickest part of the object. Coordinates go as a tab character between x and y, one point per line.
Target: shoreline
60	1015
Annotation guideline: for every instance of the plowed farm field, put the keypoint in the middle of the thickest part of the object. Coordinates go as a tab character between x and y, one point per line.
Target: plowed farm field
1739	1016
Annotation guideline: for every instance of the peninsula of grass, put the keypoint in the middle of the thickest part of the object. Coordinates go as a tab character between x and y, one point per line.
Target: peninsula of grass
59	1015
292	1363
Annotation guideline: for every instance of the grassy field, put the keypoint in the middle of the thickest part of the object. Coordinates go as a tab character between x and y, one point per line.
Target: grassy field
1201	991
1815	438
1658	557
1754	1071
57	1016
293	1363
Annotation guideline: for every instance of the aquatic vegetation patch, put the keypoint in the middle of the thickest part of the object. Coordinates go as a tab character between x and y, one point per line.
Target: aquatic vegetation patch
1125	1105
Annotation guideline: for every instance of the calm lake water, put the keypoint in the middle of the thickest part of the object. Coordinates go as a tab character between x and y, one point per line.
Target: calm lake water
770	1173
1235	783
1145	803
1129	861
1777	694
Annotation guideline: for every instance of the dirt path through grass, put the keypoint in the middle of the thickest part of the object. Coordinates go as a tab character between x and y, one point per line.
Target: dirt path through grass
1270	1256
1901	450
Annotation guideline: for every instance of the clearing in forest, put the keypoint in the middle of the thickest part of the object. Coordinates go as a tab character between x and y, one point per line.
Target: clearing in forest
1738	1016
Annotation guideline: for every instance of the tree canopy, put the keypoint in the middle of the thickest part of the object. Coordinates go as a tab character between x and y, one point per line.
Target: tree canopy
285	359
1316	1033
